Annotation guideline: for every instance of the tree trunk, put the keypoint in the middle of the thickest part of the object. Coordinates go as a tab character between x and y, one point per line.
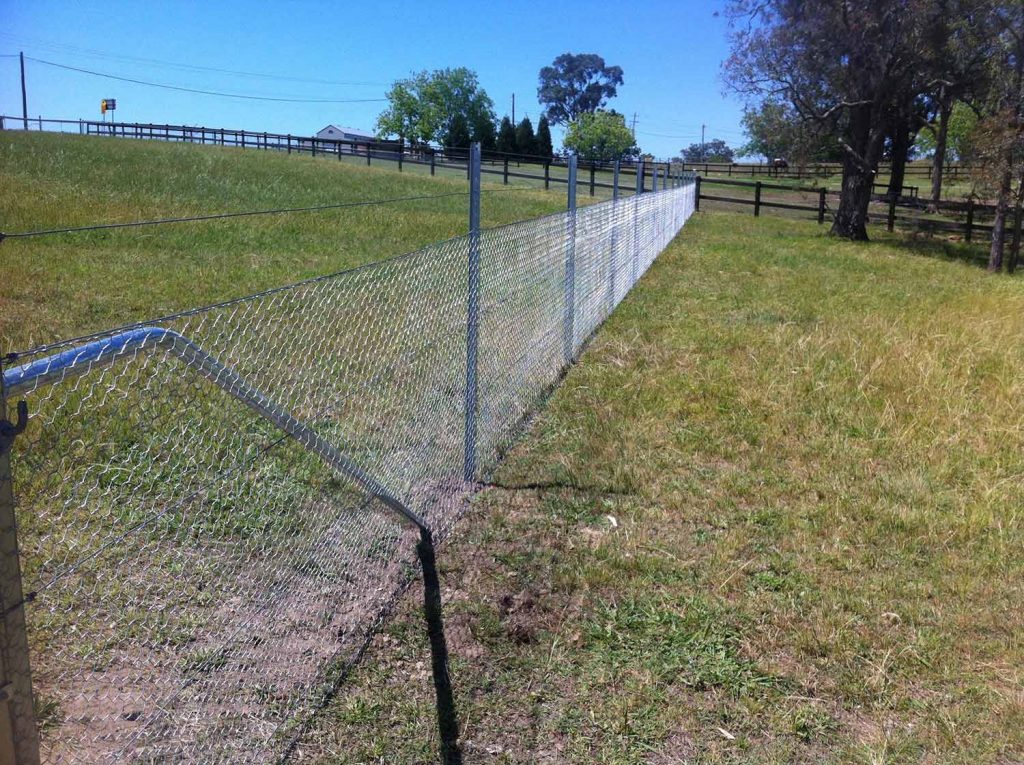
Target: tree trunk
995	253
1018	213
898	164
861	155
939	160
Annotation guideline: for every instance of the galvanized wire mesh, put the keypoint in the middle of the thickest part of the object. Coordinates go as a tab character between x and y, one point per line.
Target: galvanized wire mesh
196	579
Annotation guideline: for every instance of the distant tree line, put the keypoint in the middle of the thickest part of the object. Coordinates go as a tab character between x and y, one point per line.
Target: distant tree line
448	107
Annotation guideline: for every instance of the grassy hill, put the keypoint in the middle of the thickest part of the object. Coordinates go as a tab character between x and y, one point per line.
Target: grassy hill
60	286
773	516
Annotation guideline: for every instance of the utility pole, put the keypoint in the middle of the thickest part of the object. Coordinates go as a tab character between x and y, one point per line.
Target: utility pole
24	97
702	155
513	110
632	127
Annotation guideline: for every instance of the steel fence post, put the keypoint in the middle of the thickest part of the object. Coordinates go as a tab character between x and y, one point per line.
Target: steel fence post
640	171
569	329
615	200
19	737
472	315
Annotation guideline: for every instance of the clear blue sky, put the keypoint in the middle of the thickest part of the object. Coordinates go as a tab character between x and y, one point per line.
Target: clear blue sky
671	53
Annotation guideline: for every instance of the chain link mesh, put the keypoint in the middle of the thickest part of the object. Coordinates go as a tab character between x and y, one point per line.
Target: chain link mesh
196	578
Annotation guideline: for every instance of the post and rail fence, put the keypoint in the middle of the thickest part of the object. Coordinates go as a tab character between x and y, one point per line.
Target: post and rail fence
204	518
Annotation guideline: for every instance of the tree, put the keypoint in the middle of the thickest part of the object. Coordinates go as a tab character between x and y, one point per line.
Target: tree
443	106
999	135
544	146
842	66
458	135
959	129
601	137
959	46
506	136
484	131
576	84
526	142
715	150
409	115
775	131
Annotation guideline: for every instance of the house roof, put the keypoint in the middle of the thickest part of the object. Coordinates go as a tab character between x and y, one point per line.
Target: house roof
348	130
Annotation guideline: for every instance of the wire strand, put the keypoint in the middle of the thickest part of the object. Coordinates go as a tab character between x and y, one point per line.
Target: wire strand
208	92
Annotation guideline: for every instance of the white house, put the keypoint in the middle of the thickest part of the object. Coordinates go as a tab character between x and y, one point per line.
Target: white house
359	138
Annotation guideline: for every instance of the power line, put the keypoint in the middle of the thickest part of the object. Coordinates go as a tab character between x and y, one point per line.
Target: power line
209	92
94	53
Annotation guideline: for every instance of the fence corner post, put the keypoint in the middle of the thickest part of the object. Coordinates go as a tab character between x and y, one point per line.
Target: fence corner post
569	328
19	736
472	316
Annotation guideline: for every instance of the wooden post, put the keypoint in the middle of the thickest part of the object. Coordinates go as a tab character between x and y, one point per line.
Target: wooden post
401	151
757	199
970	219
547	174
433	157
821	206
591	179
891	222
696	193
289	141
504	175
369	153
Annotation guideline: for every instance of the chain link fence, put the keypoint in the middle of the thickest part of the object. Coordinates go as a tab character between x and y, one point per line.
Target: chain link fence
215	510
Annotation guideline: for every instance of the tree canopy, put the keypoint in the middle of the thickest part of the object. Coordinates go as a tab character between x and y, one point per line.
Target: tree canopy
601	137
544	146
715	150
526	141
442	106
576	84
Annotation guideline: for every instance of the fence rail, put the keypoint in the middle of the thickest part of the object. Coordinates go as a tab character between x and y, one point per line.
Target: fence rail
968	218
547	170
216	509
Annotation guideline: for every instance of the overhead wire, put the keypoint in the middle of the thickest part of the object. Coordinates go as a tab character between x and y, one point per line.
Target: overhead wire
242	96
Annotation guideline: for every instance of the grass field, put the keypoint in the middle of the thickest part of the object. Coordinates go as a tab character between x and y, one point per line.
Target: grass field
773	516
60	286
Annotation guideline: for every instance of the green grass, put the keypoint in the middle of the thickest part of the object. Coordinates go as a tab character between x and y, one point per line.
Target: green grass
61	286
773	516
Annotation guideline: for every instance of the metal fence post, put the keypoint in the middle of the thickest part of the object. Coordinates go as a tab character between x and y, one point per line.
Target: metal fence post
636	219
19	737
569	329
614	245
472	315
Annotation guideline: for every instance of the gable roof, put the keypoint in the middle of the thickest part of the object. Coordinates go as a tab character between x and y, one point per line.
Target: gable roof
346	130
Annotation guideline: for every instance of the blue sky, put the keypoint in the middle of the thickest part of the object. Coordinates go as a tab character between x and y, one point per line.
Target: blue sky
671	53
